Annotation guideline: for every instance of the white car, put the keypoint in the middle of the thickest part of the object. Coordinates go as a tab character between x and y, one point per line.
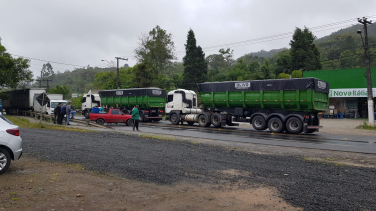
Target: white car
10	143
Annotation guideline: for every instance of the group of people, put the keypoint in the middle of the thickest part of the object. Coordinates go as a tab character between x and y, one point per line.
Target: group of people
61	111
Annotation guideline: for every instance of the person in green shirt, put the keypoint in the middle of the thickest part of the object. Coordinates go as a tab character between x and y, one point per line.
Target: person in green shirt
135	116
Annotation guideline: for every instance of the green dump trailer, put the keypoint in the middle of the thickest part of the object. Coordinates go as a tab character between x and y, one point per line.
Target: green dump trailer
280	105
150	101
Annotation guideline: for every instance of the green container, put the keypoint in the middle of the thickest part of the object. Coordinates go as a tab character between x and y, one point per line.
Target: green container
308	95
144	97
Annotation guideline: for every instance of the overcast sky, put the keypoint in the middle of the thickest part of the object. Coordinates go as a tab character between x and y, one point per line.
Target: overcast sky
83	32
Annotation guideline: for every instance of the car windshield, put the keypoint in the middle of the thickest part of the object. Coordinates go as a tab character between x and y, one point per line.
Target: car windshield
5	119
54	104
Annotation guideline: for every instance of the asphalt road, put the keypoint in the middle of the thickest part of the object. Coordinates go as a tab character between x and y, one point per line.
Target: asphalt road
308	184
344	143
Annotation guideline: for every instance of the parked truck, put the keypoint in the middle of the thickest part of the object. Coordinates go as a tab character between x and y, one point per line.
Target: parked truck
20	100
89	101
290	105
151	101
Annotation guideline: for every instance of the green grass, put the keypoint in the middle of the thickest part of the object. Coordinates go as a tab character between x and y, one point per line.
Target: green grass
366	126
25	123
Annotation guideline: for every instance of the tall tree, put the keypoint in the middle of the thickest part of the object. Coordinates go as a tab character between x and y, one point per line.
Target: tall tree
195	65
156	49
304	53
47	70
13	70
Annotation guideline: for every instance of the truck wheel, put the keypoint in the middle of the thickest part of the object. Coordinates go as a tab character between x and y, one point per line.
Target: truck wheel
294	125
174	119
86	114
275	125
129	122
4	160
191	123
100	121
216	120
259	123
203	121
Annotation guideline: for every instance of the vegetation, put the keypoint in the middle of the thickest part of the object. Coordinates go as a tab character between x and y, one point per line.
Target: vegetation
13	71
25	123
195	65
156	67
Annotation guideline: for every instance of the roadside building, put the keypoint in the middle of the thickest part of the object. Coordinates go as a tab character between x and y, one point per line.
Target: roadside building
348	89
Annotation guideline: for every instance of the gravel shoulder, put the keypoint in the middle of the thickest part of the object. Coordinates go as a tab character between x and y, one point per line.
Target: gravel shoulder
107	170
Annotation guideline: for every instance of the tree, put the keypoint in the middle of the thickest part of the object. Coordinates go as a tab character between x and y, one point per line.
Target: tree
13	70
155	49
47	70
347	59
283	64
60	90
297	74
195	65
143	75
304	53
228	55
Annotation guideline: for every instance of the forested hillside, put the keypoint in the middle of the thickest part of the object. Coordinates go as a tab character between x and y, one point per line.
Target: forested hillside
341	49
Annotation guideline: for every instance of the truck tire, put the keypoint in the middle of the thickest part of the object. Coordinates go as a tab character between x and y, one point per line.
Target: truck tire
129	122
4	160
100	121
259	123
203	121
86	114
216	120
294	125
174	119
275	125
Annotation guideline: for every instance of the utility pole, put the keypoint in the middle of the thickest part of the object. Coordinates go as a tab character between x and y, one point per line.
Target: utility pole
371	117
117	70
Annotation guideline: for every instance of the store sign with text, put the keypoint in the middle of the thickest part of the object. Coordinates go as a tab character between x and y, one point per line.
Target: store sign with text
350	92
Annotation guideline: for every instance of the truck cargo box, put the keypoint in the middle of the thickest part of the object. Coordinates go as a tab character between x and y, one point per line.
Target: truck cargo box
21	99
300	94
144	97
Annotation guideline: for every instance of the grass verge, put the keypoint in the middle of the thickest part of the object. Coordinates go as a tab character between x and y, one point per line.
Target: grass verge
25	123
366	126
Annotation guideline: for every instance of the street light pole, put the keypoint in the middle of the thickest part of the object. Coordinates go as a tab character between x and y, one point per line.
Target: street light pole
371	117
117	70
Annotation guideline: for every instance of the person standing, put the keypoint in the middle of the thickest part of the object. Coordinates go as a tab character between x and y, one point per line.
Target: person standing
62	113
73	112
124	110
68	111
135	116
57	111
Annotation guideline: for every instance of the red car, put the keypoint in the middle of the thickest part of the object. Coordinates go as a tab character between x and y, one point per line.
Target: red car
113	116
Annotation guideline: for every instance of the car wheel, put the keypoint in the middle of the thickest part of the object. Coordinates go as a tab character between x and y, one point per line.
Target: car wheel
100	121
275	125
259	123
130	122
4	160
294	125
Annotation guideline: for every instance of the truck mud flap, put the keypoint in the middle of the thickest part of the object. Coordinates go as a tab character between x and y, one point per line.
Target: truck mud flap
311	127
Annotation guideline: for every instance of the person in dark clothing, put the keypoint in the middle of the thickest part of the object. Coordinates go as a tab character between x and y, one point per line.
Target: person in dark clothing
57	111
62	113
124	110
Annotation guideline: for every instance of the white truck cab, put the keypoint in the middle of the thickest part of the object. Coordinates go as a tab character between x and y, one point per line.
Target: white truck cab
181	100
89	101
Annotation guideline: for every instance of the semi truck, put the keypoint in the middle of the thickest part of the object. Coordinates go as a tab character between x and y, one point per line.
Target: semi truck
20	100
89	101
151	101
290	105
